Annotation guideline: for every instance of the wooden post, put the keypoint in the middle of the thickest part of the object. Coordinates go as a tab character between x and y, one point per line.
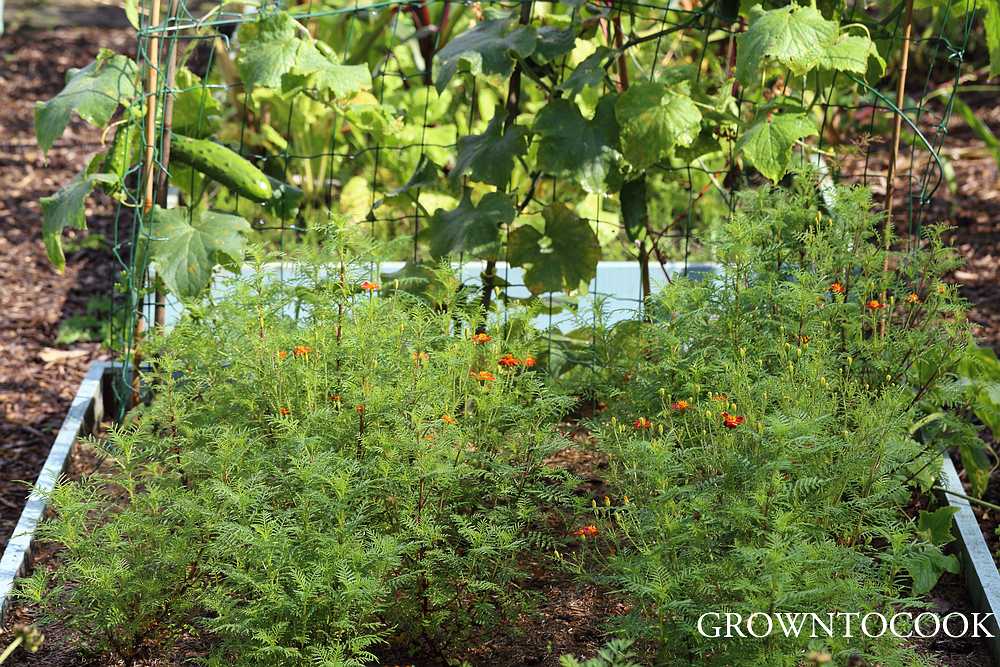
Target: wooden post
160	300
153	52
897	129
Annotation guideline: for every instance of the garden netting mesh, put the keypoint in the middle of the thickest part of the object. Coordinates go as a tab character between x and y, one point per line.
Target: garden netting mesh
435	123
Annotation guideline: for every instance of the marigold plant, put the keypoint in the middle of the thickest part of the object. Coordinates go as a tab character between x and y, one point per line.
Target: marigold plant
247	508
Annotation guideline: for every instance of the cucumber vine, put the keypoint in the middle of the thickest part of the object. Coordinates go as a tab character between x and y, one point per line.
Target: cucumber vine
548	135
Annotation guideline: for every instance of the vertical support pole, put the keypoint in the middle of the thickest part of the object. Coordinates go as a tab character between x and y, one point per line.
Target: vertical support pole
897	128
153	55
160	301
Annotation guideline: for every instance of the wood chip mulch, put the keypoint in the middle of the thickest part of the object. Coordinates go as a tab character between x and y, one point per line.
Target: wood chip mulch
38	378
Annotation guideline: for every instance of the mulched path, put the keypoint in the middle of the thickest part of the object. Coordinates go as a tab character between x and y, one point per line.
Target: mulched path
35	390
969	203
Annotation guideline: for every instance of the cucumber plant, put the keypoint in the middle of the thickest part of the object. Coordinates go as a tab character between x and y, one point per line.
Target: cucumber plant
185	244
553	135
550	136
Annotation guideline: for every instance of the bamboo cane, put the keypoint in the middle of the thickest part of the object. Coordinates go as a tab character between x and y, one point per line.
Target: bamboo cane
153	53
897	129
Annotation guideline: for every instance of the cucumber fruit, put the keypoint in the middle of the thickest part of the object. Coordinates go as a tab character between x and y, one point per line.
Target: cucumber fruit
123	149
222	165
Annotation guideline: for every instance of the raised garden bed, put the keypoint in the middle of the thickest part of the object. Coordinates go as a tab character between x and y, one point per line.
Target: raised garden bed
94	400
978	566
91	402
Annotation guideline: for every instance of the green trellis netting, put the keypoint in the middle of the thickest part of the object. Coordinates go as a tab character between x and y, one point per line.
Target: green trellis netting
417	119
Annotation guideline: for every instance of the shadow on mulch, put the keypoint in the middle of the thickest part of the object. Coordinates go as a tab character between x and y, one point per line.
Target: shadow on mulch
35	391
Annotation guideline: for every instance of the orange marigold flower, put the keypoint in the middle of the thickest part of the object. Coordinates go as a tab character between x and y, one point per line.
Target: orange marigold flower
481	338
360	408
335	398
913	298
509	361
587	531
722	398
301	350
642	424
282	354
448	419
369	286
837	288
528	362
804	340
874	304
483	376
732	421
680	406
283	411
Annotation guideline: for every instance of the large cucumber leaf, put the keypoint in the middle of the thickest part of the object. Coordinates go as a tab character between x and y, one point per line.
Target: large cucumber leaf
474	229
851	53
489	157
655	117
800	39
185	245
318	69
563	258
489	49
93	92
768	143
275	53
65	209
571	145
